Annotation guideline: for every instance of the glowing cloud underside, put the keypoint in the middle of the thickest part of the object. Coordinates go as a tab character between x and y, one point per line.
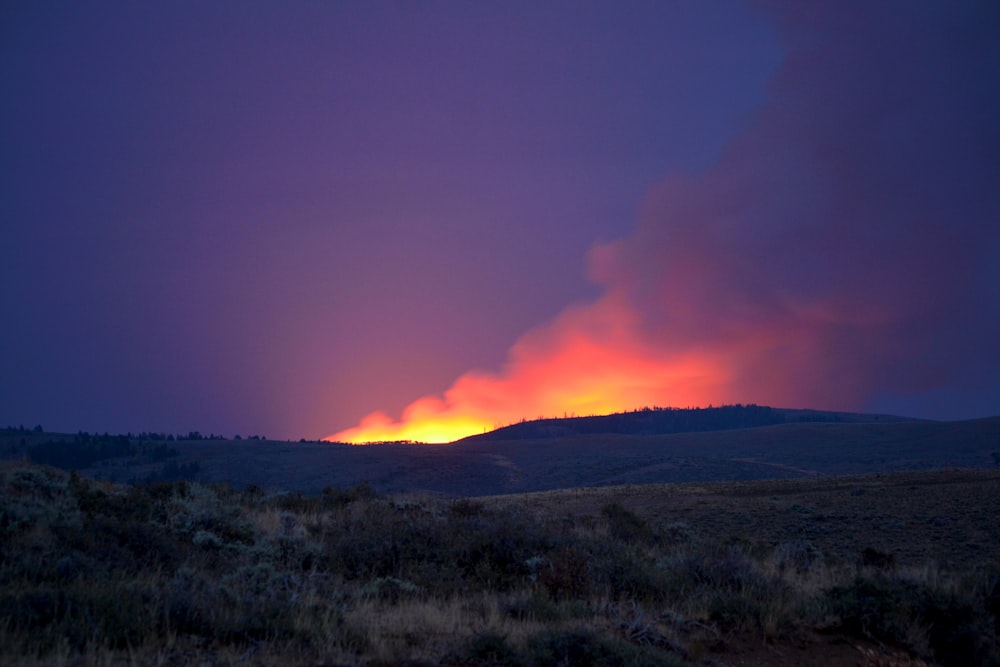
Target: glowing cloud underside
584	363
825	259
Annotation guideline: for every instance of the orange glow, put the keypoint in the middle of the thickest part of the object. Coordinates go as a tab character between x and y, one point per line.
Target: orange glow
379	427
586	362
602	358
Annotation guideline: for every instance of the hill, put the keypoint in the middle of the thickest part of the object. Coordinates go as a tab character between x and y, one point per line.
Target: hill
662	421
484	466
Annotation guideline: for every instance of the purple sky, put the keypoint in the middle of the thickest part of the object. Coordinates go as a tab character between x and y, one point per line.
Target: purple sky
276	218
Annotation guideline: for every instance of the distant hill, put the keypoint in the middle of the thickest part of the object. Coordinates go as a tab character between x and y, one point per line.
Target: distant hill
664	421
804	444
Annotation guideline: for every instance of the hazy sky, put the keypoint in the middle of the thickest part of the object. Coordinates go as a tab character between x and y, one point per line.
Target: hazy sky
277	218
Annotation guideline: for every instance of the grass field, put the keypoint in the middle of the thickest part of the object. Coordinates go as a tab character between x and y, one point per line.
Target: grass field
894	569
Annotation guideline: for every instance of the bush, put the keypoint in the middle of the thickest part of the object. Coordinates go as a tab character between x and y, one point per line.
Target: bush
624	572
676	533
89	613
800	556
34	497
583	648
730	570
463	508
626	526
949	628
533	607
389	589
568	574
333	498
489	648
734	589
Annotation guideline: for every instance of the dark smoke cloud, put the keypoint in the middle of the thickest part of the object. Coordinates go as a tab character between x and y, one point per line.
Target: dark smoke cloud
845	246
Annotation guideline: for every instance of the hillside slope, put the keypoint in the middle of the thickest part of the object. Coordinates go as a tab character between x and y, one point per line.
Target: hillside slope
479	467
662	421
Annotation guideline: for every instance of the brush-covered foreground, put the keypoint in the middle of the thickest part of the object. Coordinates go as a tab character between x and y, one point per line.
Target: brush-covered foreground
181	573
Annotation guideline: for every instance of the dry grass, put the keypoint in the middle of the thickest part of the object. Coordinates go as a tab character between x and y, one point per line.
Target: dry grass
98	574
945	517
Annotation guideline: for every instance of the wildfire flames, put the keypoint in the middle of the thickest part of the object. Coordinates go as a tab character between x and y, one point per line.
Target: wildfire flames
586	362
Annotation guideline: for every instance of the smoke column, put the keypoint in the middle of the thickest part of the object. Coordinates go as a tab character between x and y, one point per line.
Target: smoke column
842	253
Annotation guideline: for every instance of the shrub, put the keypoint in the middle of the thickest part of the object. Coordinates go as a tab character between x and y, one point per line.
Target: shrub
535	607
948	627
799	556
332	497
877	559
464	508
168	490
128	546
207	539
625	525
389	589
583	648
676	533
95	501
489	648
31	497
101	613
625	572
568	574
991	594
730	570
733	588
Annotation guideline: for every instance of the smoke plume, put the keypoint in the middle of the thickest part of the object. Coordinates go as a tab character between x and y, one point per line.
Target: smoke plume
844	249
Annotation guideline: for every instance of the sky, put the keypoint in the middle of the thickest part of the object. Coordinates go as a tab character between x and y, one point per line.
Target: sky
419	220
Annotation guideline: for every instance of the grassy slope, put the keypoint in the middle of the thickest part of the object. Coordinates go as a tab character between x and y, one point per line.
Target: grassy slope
724	574
671	420
491	467
944	517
